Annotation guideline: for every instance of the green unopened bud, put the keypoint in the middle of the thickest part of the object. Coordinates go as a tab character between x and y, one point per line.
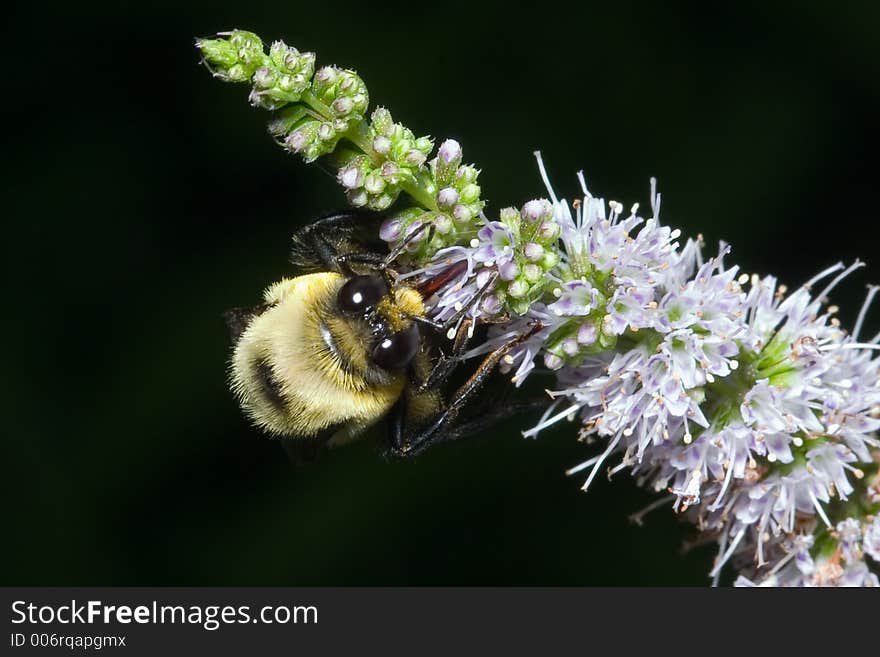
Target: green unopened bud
447	162
218	53
312	140
533	252
510	218
401	146
465	175
246	43
381	144
382	121
357	197
374	183
264	78
347	85
519	306
533	273
550	260
537	210
314	151
304	136
518	288
382	201
462	213
606	341
549	231
325	77
415	158
470	193
391	173
326	132
443	224
234	59
342	106
293	84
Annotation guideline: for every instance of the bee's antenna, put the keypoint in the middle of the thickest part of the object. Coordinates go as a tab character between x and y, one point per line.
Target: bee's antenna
400	248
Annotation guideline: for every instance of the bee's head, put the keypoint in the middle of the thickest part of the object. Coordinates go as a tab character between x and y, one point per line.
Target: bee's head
326	351
388	311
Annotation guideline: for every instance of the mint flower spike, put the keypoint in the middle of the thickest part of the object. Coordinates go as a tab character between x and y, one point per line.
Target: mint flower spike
321	113
745	403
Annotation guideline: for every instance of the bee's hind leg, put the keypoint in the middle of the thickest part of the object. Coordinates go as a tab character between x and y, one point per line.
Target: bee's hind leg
440	429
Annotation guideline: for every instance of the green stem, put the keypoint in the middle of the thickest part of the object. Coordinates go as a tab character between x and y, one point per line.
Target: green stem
419	194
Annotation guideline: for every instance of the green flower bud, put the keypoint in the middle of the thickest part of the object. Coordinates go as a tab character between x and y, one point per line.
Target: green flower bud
537	210
510	218
462	213
326	132
519	306
218	53
446	163
374	184
304	136
342	106
264	78
382	201
549	231
470	193
357	197
234	59
443	224
465	175
550	260
518	288
415	158
533	252
382	122
248	45
325	78
606	341
533	273
382	145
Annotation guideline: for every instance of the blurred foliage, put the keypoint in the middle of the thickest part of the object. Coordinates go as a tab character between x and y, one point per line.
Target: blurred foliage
143	198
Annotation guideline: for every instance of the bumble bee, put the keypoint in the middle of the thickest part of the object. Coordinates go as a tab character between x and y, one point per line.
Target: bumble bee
334	350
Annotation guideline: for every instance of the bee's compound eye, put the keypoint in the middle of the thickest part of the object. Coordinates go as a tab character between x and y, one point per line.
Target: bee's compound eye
395	351
360	293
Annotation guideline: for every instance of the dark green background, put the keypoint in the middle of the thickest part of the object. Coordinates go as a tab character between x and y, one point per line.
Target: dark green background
143	198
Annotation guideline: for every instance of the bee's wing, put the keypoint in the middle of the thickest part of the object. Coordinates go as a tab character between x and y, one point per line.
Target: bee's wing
237	320
316	246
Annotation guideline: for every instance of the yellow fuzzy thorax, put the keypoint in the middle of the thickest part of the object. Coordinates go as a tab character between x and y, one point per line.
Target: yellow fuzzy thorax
320	386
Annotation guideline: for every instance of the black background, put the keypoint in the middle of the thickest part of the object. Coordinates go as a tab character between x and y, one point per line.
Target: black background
142	198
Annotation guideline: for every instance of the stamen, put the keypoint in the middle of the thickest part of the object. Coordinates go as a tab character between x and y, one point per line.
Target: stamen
598	464
553	420
820	510
846	272
724	557
544	177
872	290
822	274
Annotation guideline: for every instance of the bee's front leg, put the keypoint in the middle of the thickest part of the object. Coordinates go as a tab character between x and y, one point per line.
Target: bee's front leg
404	445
